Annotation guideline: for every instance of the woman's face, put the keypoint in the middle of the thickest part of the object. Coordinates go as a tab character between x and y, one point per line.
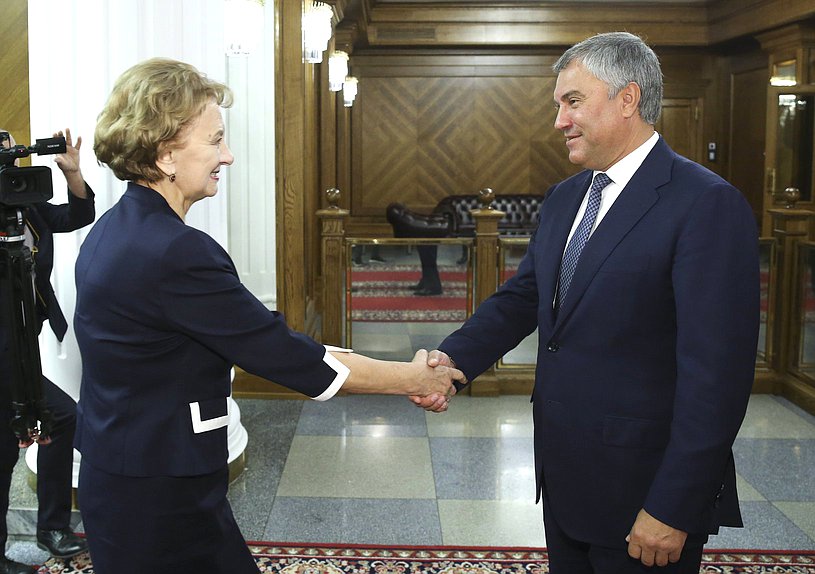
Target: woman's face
197	158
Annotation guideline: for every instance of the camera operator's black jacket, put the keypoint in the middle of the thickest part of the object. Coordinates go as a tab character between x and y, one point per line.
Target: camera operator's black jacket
45	219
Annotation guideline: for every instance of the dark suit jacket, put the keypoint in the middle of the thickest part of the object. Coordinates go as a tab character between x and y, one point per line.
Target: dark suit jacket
643	376
161	317
45	219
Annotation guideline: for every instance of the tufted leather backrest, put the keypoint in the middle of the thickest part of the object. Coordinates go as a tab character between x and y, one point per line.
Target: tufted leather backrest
521	213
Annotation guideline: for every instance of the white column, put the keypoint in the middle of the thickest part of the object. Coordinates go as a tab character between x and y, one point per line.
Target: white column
77	49
251	135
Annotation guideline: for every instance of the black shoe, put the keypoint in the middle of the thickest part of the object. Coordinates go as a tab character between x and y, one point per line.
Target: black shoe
62	543
11	567
427	292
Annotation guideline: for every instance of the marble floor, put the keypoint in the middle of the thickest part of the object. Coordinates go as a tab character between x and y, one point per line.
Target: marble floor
378	470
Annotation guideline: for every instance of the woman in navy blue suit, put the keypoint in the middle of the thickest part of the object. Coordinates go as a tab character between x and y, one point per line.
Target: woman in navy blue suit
161	317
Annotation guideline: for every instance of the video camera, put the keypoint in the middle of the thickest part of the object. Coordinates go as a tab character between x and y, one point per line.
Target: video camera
21	188
26	185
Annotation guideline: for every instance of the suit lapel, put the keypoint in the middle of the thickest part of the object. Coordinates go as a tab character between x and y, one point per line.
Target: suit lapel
636	199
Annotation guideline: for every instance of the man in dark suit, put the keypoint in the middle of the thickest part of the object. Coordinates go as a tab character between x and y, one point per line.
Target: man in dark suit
54	458
645	292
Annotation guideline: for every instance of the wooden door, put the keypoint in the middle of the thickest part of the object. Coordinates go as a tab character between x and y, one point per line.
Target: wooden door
679	125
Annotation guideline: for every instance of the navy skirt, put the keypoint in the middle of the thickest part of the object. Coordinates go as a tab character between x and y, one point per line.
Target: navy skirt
161	524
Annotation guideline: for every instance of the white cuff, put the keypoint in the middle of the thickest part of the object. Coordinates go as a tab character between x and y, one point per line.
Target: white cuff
341	370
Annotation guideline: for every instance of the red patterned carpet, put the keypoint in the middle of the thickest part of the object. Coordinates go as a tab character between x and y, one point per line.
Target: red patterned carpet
384	293
357	559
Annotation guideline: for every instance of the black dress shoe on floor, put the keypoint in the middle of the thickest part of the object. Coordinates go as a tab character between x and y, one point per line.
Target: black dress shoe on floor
62	543
11	567
425	292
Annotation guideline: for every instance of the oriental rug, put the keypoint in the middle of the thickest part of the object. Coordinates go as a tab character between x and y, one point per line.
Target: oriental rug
358	559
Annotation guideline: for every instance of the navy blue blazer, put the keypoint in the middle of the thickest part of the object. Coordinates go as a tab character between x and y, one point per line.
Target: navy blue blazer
644	375
161	317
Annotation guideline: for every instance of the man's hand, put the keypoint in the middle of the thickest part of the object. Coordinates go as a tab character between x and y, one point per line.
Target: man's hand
68	163
654	542
436	402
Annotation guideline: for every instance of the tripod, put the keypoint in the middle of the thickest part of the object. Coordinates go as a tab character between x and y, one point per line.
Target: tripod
31	420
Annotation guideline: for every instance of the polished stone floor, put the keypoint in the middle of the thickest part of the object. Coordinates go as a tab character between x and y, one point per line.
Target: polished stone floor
378	470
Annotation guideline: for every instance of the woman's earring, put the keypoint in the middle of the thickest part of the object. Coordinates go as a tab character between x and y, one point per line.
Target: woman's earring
172	178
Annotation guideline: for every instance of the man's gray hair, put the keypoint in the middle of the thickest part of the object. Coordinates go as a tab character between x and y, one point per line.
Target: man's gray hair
618	58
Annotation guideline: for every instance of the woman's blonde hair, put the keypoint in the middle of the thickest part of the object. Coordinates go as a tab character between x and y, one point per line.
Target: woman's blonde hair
151	103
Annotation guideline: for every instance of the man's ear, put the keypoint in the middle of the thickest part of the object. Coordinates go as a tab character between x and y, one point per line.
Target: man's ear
630	99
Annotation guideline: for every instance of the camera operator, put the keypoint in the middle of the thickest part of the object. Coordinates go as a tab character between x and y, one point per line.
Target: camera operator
55	453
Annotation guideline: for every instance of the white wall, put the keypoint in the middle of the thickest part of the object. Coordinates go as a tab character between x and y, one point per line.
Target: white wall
77	49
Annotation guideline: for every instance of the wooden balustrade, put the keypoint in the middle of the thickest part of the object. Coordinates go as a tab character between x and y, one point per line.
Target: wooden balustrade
790	227
777	370
332	224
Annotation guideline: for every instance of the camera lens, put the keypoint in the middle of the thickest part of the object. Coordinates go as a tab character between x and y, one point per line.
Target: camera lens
18	184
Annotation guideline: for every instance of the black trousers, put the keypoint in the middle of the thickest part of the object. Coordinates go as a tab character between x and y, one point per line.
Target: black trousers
570	556
54	460
161	524
431	280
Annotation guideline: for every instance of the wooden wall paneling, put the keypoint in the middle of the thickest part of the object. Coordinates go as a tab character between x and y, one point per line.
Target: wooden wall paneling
691	87
433	126
748	104
345	155
14	102
311	177
560	25
291	161
327	140
679	124
730	19
328	136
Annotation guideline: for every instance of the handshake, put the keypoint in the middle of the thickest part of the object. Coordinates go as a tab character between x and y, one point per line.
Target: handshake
441	364
428	379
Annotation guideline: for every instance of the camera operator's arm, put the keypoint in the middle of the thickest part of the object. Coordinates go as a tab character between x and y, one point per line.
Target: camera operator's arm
68	163
80	210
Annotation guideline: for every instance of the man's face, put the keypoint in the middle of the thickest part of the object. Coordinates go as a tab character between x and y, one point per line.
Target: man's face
594	126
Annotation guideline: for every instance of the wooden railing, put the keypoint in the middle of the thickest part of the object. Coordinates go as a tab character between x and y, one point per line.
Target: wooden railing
785	362
483	278
784	365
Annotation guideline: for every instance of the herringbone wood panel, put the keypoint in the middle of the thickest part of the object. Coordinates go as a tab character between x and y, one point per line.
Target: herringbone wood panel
425	138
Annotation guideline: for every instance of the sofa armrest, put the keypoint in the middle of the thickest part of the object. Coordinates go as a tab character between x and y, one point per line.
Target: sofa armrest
407	223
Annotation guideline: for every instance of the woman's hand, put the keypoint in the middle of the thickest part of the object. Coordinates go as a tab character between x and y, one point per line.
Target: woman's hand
440	364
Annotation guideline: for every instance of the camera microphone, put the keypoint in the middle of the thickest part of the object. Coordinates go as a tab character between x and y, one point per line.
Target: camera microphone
48	146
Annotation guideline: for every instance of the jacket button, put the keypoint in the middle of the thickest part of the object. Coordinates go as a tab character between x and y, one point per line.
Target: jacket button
552	347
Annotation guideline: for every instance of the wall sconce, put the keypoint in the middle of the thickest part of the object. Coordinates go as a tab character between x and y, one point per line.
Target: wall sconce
316	31
349	91
337	70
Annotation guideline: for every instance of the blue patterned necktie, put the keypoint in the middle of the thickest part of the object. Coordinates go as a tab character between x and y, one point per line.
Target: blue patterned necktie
580	236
